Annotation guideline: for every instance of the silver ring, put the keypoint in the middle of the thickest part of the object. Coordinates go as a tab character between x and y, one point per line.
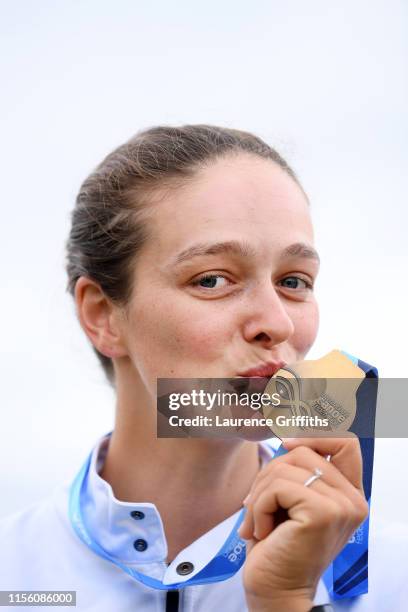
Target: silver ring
316	474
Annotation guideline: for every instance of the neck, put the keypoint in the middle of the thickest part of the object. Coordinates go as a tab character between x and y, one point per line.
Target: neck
195	483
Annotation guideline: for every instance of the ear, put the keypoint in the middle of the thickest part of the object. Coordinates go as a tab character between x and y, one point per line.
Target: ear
99	318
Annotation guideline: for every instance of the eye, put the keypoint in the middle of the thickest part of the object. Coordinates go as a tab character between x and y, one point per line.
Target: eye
208	281
295	282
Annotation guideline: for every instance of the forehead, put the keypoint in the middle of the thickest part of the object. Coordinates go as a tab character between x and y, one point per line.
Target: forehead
240	197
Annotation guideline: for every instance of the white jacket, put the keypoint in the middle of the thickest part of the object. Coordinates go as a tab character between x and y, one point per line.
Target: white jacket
41	551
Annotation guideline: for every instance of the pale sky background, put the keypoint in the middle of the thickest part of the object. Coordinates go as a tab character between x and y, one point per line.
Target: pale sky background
323	82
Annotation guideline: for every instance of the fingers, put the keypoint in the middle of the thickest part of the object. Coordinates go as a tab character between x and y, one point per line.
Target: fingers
306	458
260	519
305	505
344	471
340	483
345	454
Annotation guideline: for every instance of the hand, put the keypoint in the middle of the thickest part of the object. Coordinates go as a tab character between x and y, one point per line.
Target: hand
294	531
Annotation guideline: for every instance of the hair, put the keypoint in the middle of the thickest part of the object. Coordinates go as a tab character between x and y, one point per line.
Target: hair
109	220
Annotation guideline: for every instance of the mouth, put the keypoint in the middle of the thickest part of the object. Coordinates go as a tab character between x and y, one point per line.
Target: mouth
263	370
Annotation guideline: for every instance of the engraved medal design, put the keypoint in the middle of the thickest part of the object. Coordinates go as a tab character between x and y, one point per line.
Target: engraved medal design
318	397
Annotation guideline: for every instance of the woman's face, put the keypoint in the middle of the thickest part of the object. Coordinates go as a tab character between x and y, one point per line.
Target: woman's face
224	284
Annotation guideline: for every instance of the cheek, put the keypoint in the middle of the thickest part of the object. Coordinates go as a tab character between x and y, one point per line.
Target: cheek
167	335
204	339
201	335
306	324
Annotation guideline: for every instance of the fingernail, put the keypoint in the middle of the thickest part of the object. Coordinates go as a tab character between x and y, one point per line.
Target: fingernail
244	503
246	540
287	441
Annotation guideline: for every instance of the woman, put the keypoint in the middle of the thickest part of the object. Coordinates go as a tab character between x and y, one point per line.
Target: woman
191	254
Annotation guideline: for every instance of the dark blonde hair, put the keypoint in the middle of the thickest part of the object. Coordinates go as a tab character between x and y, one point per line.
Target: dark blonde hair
109	218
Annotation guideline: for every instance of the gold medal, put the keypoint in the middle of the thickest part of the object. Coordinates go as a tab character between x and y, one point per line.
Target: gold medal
318	397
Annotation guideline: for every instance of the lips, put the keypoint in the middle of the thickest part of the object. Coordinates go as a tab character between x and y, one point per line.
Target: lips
263	370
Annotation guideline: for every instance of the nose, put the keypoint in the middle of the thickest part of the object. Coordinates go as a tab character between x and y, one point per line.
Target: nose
267	321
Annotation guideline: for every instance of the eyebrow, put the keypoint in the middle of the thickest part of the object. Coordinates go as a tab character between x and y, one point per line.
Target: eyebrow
243	249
